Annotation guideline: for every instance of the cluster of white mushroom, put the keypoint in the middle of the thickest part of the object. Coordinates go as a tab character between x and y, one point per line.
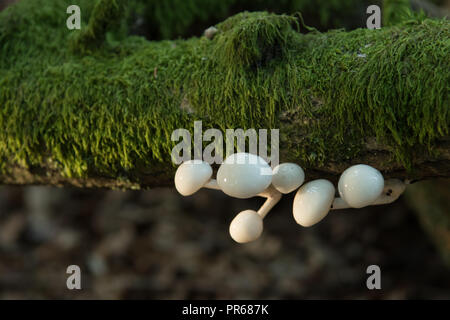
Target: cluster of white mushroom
245	175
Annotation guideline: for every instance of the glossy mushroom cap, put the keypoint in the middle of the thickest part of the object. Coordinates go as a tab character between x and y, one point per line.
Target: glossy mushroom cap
244	175
287	177
360	185
313	201
246	226
191	176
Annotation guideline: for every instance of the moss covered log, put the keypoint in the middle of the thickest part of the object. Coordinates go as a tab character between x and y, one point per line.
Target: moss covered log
96	107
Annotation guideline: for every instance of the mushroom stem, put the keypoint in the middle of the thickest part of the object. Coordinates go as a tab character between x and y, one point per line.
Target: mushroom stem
392	190
339	203
273	197
212	184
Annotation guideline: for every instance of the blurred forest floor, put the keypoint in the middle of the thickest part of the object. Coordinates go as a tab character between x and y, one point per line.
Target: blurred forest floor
158	244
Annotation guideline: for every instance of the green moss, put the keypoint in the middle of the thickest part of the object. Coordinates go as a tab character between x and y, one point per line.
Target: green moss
105	17
113	112
399	12
378	84
251	39
395	11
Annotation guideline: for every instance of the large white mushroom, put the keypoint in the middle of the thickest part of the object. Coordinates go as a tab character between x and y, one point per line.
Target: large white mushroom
360	185
244	175
287	177
313	201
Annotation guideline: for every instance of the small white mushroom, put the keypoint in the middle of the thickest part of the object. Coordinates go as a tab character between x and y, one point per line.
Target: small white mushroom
244	175
313	201
360	185
246	226
393	189
287	177
191	176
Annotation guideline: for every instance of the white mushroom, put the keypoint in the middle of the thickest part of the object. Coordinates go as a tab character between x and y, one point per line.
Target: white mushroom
287	177
360	185
246	226
191	176
244	175
393	188
313	201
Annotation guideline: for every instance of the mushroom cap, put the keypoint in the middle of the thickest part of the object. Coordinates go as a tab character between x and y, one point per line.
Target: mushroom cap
360	185
287	177
191	176
313	201
246	226
244	175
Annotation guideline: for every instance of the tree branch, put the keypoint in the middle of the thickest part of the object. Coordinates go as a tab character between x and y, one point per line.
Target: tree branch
102	116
